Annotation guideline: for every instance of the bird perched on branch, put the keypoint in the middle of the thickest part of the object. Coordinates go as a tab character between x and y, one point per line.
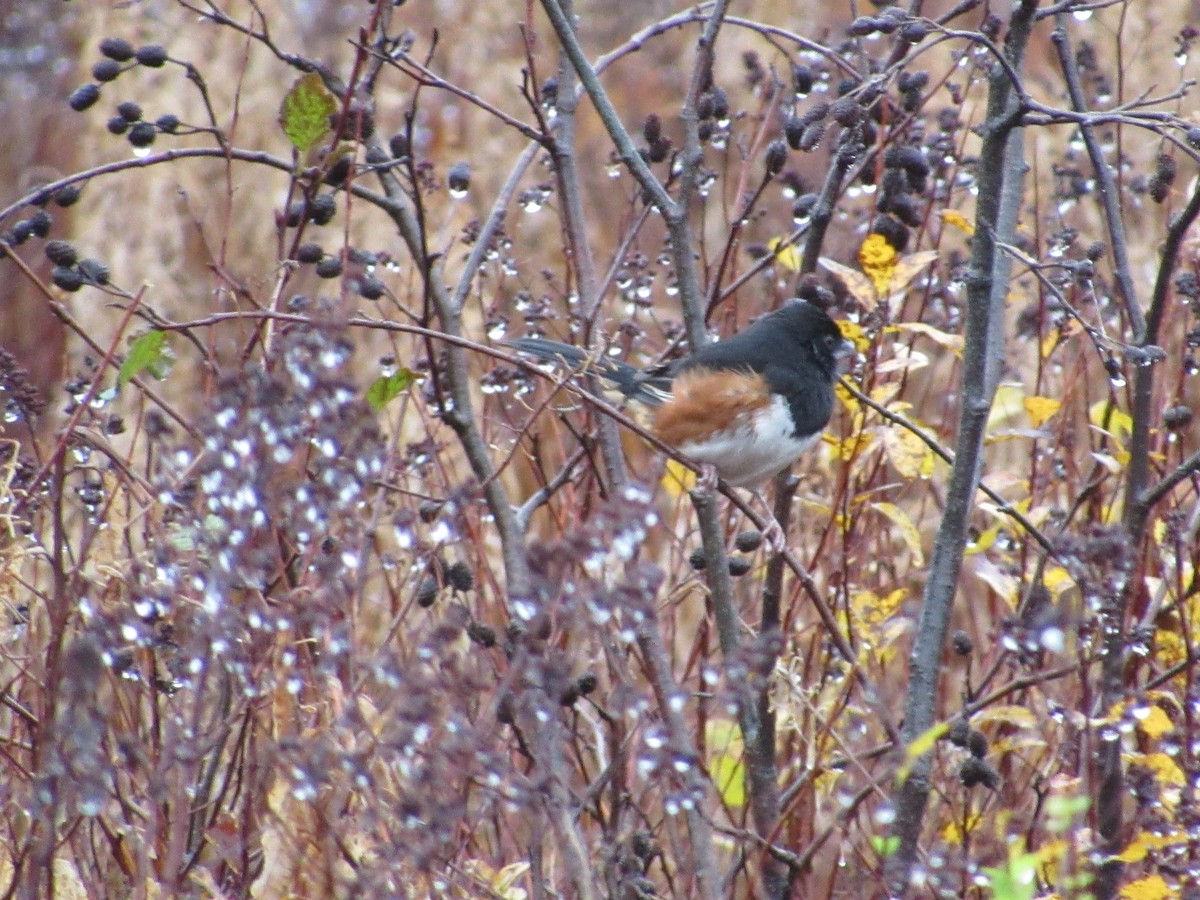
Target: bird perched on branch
745	407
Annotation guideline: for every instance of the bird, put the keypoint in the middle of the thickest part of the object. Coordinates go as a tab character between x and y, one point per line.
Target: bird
745	407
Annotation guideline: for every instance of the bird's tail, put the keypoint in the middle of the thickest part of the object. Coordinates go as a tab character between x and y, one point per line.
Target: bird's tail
628	379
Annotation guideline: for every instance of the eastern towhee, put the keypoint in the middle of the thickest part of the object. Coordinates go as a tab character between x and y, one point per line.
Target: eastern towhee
745	407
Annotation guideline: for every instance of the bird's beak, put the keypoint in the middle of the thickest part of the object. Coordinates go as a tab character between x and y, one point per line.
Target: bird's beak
843	356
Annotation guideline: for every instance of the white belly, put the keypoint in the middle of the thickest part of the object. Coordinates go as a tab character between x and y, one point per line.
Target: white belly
750	453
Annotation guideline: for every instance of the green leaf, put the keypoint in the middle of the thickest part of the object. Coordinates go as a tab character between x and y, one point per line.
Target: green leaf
387	387
885	845
305	112
149	353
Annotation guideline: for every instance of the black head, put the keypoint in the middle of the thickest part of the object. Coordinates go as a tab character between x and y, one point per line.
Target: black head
810	326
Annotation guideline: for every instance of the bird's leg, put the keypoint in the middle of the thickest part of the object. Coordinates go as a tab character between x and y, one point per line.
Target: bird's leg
774	536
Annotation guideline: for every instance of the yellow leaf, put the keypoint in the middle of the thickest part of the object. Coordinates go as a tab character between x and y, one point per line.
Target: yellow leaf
1164	768
788	256
910	455
1020	716
873	610
725	767
1007	406
678	479
909	266
907	530
1057	580
1040	409
953	342
857	283
855	334
1156	724
1110	419
958	220
1152	887
918	748
955	832
1140	847
878	260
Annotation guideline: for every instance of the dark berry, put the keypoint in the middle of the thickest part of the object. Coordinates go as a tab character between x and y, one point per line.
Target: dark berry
398	144
339	171
427	592
142	134
322	210
309	253
117	49
793	131
776	157
748	541
846	112
914	31
738	565
959	733
61	253
802	79
1193	137
1177	417
167	124
975	772
483	635
118	125
697	559
21	232
977	743
907	82
962	643
329	267
370	287
720	104
812	137
129	111
39	223
586	683
864	25
295	214
803	206
106	70
68	195
460	577
93	271
652	129
152	56
84	96
67	279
